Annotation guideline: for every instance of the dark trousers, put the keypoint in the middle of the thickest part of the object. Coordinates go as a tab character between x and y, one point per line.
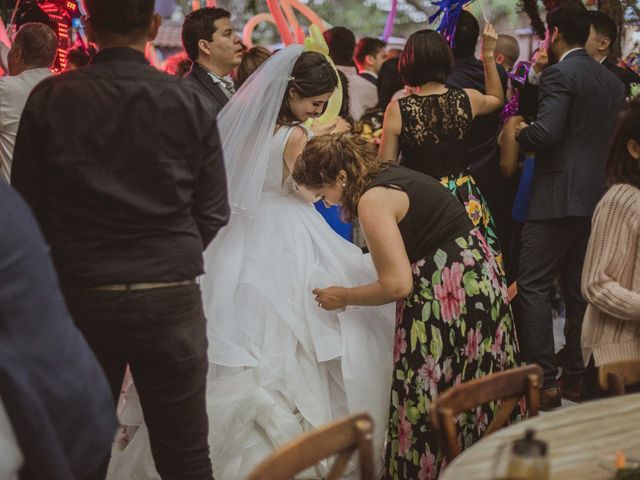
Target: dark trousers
549	247
161	334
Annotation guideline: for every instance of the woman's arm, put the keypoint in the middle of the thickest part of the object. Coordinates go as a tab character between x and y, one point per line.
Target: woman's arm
379	211
494	97
509	147
292	150
615	225
391	127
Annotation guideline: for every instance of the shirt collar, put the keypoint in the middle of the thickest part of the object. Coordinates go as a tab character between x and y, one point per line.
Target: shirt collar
122	54
368	72
226	83
568	52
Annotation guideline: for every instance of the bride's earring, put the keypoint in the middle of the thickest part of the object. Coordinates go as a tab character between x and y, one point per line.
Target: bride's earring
344	184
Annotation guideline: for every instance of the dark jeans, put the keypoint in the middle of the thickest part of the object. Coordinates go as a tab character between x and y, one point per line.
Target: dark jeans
548	247
161	334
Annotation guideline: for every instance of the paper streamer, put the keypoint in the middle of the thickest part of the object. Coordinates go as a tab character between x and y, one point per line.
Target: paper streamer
450	11
391	19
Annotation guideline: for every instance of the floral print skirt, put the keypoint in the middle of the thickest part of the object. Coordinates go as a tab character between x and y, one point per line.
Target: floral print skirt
464	188
455	326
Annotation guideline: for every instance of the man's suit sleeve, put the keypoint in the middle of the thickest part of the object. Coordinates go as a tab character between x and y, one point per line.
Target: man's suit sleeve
553	105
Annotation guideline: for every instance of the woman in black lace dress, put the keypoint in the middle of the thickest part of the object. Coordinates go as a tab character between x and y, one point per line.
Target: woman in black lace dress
430	128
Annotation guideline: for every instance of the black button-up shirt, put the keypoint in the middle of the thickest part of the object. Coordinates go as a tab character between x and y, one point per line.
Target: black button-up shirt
122	166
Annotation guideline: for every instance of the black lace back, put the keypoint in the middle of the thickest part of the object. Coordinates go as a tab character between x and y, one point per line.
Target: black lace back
434	136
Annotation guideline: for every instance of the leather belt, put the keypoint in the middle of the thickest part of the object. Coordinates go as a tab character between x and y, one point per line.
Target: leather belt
125	287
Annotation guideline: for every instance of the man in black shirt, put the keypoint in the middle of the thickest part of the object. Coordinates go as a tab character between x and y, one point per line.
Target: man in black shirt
122	166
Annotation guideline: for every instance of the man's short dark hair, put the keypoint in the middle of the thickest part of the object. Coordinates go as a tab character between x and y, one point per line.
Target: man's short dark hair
200	25
426	58
38	44
342	43
604	25
572	21
120	17
367	46
467	34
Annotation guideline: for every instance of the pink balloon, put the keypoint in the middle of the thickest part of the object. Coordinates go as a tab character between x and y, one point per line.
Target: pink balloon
281	22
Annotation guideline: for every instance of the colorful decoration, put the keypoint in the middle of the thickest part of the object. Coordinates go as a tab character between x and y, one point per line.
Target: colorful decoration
391	18
61	13
316	43
281	21
450	11
250	26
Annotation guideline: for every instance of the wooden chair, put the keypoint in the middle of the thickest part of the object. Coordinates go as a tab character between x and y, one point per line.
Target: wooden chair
341	438
614	377
509	386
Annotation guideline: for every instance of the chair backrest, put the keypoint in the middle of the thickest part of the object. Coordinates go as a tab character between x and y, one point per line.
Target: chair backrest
509	386
614	377
341	438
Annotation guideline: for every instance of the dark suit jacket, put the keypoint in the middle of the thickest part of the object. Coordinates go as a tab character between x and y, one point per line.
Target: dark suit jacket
578	104
469	73
54	390
200	77
626	76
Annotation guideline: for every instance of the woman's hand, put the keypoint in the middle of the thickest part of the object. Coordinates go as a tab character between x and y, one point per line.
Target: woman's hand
489	41
331	298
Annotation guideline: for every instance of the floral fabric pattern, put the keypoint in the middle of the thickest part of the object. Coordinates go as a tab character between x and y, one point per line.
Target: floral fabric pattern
455	326
464	188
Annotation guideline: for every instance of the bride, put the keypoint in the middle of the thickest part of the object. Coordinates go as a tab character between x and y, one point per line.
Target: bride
279	364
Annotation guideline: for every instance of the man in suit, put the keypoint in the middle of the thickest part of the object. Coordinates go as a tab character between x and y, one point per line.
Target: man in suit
369	56
578	104
602	38
363	95
215	49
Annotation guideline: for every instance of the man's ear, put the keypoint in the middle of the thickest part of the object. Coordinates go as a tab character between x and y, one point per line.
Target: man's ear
368	60
500	59
605	44
203	47
156	21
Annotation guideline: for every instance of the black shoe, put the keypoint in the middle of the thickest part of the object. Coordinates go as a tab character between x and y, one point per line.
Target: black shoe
550	398
571	388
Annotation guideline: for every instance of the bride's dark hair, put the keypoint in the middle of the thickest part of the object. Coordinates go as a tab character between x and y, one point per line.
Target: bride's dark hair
312	75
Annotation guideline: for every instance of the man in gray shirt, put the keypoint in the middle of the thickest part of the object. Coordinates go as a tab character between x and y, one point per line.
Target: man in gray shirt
29	59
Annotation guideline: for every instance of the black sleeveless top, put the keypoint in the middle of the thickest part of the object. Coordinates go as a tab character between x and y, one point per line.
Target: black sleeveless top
434	217
435	131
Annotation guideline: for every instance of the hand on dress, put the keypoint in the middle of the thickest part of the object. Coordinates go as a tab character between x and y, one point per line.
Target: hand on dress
339	125
489	40
331	298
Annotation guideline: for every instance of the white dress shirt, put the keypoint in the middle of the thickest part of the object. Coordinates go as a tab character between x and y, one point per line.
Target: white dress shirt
11	459
225	83
14	92
362	93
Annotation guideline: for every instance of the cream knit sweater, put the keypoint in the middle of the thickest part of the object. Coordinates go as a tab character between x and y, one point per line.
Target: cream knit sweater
611	279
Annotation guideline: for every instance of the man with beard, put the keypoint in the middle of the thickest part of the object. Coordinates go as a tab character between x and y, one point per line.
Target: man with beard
569	180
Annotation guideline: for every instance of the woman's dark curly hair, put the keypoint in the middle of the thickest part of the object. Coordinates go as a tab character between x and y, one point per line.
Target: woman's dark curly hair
621	166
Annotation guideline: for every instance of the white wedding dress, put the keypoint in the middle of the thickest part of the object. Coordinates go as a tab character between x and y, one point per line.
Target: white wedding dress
280	365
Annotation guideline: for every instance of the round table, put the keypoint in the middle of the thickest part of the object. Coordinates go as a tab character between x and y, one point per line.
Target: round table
582	442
